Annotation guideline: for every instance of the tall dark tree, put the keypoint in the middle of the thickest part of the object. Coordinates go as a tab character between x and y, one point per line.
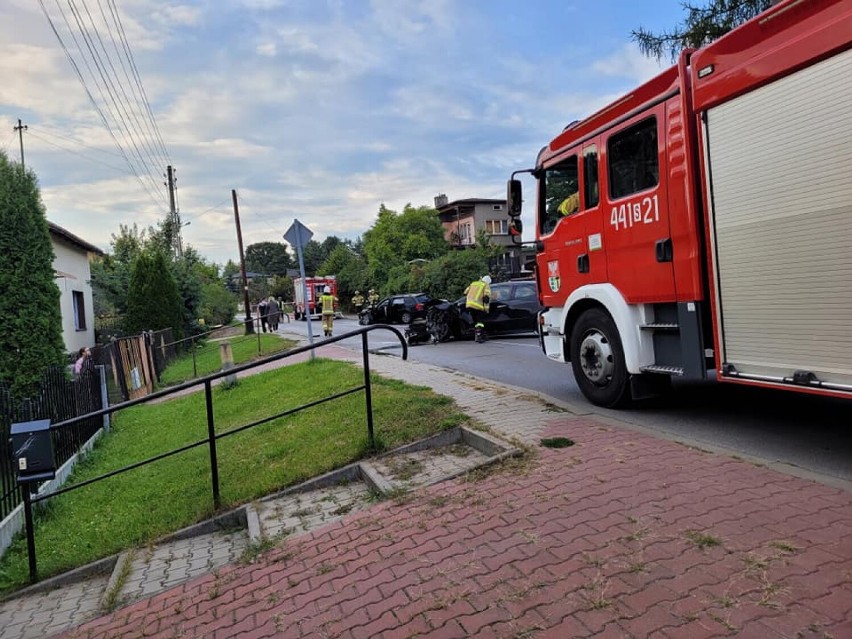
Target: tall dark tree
313	256
703	23
154	302
30	317
269	258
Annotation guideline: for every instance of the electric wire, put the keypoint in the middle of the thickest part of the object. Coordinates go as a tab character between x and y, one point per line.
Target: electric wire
110	96
56	134
82	155
147	115
94	102
211	209
129	54
9	141
145	142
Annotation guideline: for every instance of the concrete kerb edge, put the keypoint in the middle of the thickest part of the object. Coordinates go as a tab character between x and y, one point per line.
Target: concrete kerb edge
99	567
124	559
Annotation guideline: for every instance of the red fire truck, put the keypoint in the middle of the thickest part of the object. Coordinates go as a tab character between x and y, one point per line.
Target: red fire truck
701	225
315	286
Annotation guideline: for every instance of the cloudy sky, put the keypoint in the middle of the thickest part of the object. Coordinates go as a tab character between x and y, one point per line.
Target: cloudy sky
317	110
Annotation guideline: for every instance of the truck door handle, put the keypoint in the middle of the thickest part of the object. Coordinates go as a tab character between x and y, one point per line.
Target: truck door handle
663	249
583	263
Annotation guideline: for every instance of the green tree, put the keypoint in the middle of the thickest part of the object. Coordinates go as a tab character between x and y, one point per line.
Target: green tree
348	266
111	272
154	302
313	256
232	276
269	258
450	274
281	287
703	24
29	298
395	239
218	305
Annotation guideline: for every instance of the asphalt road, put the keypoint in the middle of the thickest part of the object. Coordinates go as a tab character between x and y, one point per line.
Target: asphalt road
804	434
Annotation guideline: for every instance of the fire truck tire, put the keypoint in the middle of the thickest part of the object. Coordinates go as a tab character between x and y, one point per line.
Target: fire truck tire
597	359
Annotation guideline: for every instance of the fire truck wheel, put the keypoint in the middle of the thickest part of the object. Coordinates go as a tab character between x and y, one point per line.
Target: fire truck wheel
598	360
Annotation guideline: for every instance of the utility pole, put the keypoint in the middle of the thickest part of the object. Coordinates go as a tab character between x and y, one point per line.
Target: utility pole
249	323
175	216
20	129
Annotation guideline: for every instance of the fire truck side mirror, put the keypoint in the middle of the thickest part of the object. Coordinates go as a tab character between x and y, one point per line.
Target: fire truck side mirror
514	197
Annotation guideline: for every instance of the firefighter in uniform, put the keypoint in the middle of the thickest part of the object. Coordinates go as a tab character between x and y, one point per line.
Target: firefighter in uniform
372	297
478	298
327	301
358	302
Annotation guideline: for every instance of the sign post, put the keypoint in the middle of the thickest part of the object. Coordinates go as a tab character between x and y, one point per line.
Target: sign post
298	235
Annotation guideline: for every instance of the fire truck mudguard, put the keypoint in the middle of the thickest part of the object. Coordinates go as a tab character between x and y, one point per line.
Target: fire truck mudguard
636	346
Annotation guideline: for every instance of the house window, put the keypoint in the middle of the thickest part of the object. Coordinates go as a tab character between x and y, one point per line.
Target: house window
464	231
497	227
79	310
497	207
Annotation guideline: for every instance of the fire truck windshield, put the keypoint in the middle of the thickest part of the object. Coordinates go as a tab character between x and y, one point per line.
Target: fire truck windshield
561	194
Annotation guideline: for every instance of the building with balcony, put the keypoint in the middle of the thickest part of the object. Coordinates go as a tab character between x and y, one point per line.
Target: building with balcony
464	219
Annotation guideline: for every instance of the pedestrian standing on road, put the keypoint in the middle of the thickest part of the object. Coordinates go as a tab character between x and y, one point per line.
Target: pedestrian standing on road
327	301
261	311
372	297
273	312
477	302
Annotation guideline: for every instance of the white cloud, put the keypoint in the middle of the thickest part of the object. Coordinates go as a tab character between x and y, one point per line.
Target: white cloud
268	49
178	15
628	62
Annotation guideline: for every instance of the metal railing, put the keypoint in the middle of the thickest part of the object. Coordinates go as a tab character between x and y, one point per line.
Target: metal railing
212	436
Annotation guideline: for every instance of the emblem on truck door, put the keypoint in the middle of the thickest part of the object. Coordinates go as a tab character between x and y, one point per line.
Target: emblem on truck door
553	275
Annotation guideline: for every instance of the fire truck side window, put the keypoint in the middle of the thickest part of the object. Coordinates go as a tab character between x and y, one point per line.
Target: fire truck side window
561	194
591	189
633	160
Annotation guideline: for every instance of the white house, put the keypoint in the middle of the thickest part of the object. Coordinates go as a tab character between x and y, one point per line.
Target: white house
73	277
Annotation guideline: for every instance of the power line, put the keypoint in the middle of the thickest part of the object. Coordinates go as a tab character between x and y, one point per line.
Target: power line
262	217
65	148
62	136
129	54
9	141
149	121
115	107
212	208
92	99
146	143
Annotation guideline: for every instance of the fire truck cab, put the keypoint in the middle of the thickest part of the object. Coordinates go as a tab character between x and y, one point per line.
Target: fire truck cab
702	224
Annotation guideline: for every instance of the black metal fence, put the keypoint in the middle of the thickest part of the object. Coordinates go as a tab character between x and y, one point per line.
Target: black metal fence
61	397
212	436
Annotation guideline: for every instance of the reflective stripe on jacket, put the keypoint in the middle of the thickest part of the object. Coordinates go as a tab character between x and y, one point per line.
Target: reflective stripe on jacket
327	302
476	293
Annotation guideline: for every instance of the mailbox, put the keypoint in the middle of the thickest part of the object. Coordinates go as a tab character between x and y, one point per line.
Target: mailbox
32	451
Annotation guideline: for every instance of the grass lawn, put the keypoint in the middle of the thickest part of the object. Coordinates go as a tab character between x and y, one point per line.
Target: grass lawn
138	506
208	359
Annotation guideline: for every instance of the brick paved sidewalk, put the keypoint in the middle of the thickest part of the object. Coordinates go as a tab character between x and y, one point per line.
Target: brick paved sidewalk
620	535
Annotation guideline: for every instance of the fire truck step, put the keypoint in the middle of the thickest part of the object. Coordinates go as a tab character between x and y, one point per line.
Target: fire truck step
664	370
657	326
